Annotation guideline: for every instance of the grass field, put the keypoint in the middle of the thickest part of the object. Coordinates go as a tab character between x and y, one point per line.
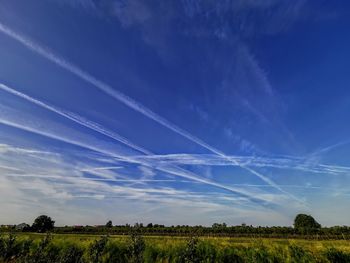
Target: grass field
219	242
94	248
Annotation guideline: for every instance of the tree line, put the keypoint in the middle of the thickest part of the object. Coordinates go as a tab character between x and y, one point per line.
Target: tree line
304	226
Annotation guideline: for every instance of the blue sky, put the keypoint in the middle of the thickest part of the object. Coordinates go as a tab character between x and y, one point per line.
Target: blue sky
174	112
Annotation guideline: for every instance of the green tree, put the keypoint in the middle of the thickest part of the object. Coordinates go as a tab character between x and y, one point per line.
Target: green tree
109	224
306	224
43	224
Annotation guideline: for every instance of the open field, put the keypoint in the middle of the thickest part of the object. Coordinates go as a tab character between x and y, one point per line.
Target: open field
220	242
94	248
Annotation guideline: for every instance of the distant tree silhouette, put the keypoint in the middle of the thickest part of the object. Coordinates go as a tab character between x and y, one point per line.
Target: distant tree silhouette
43	224
109	224
306	224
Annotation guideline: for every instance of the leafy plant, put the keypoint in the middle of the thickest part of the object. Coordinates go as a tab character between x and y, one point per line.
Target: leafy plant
299	255
231	255
337	256
191	253
137	247
10	248
71	254
97	248
116	253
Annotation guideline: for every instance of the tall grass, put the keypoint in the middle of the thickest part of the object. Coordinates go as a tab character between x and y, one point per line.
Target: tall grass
137	249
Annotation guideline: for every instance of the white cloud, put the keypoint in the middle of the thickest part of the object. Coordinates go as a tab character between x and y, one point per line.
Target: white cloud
131	103
63	184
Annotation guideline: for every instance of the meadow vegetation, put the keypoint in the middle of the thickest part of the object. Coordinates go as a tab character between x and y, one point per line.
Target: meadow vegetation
199	244
136	248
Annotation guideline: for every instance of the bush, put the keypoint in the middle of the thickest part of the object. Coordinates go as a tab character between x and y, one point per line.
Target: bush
337	256
45	252
258	254
116	253
71	254
299	255
136	247
25	247
207	251
191	253
9	248
96	249
230	255
151	254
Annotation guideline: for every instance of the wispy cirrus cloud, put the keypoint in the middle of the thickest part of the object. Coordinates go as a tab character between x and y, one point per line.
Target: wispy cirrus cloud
324	150
286	163
57	161
75	118
129	102
54	186
9	119
168	169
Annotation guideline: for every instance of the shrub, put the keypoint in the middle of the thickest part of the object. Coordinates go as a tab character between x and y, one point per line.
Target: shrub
116	253
25	250
71	254
230	255
9	248
136	247
45	252
191	253
299	255
151	254
257	255
337	256
96	249
207	251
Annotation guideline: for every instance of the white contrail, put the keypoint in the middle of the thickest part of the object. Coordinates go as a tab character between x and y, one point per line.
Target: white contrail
73	117
127	100
101	168
45	176
329	148
91	125
170	170
3	167
295	163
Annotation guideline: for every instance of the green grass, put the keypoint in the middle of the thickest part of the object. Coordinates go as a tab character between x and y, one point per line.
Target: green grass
220	242
184	249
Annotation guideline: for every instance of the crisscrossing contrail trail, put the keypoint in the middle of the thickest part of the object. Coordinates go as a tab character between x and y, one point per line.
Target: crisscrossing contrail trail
131	103
172	169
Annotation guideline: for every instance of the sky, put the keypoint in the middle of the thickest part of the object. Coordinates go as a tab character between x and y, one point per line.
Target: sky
174	112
